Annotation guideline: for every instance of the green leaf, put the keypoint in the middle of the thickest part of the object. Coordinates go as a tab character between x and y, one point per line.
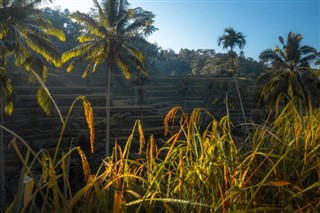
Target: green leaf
44	100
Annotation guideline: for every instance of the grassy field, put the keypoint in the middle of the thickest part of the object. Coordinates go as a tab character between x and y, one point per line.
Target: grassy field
200	167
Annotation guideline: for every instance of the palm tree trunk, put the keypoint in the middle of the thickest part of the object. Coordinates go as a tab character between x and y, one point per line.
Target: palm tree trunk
2	166
107	151
237	86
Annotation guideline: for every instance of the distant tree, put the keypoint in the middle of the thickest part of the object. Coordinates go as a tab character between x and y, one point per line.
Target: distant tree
200	59
250	67
209	93
231	39
291	73
109	38
171	63
184	89
141	79
152	55
61	20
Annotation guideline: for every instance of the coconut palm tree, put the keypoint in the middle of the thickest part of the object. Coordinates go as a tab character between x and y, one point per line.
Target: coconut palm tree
5	99
108	37
25	37
231	39
291	72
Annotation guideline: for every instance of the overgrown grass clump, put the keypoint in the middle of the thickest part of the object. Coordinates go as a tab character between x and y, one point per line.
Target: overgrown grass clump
197	169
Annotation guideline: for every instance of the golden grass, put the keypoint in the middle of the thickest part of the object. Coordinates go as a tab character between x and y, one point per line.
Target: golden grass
195	170
89	118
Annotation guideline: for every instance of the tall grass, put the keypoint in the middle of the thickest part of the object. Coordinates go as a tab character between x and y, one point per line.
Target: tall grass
199	168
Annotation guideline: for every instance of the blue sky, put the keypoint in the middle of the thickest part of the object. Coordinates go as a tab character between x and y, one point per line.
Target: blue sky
197	24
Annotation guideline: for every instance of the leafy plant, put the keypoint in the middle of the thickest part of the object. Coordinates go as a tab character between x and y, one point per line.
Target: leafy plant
195	170
291	74
109	38
230	39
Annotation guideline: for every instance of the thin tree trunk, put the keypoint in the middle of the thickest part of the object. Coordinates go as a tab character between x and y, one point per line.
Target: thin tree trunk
238	89
2	166
108	110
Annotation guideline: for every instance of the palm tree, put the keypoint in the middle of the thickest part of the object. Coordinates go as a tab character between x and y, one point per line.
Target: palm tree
24	35
139	82
291	72
184	89
231	39
5	99
109	38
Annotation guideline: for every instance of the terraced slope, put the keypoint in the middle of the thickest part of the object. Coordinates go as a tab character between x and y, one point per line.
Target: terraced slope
160	95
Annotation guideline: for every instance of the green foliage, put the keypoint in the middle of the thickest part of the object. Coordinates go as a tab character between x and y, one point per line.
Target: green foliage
291	74
230	39
26	36
109	37
196	170
112	29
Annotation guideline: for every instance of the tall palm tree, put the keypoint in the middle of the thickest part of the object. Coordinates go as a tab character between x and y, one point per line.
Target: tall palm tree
5	99
231	39
109	38
291	72
24	36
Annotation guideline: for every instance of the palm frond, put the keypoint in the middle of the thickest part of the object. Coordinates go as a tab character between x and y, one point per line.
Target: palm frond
44	48
149	28
86	38
44	100
31	29
91	51
51	30
281	40
97	52
136	53
123	66
270	55
6	92
304	61
93	65
102	17
306	49
34	63
77	51
140	24
111	7
71	66
88	22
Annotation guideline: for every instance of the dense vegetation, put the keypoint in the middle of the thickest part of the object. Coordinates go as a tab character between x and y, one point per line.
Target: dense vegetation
200	165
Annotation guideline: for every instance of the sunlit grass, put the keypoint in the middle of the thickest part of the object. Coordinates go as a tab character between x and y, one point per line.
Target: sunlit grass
196	170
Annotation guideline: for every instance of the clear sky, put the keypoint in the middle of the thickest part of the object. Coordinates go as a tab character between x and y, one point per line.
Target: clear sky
196	24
